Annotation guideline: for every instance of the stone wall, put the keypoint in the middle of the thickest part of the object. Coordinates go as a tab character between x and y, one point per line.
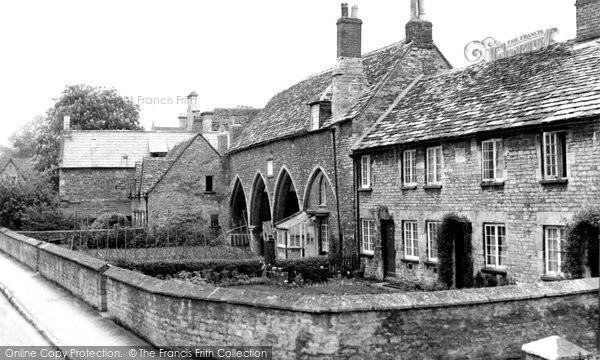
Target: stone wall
181	194
79	274
92	192
20	247
523	204
456	324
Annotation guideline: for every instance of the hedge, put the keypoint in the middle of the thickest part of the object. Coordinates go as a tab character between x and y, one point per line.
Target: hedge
312	269
582	244
250	267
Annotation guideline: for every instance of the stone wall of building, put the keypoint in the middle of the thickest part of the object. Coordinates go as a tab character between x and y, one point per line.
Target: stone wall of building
455	324
181	196
523	203
92	192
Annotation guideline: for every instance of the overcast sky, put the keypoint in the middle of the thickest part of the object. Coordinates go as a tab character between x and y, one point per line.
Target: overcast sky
231	52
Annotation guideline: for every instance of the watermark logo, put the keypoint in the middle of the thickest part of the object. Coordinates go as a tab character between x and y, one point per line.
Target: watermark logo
491	50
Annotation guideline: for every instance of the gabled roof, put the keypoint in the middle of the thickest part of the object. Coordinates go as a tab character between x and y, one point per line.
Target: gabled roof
150	171
288	114
114	149
18	163
559	83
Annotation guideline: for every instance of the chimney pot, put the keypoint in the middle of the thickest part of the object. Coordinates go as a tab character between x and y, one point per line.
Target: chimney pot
344	10
354	11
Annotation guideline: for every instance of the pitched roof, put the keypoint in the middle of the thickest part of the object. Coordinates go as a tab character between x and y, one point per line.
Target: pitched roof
287	113
559	83
150	171
18	163
114	149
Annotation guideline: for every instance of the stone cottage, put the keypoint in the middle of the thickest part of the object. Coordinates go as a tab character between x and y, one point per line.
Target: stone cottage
188	186
11	167
511	146
290	169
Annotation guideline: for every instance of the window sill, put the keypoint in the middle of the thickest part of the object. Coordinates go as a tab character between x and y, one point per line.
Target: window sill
410	260
409	187
369	189
491	183
559	181
496	271
367	255
431	263
551	278
210	192
432	186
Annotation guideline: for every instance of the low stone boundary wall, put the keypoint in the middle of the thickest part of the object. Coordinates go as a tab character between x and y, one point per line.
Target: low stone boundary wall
490	323
20	247
82	275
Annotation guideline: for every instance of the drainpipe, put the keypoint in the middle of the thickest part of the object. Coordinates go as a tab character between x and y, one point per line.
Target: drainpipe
337	193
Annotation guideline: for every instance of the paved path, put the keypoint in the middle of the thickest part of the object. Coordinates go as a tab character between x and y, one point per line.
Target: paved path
15	330
62	318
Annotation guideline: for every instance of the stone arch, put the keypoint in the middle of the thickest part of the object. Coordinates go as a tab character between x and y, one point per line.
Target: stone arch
317	177
260	214
238	206
286	202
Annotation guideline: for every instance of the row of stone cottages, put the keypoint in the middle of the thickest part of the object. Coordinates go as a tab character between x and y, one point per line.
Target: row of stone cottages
366	158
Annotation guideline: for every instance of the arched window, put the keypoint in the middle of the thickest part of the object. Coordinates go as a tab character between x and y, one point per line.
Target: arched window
323	191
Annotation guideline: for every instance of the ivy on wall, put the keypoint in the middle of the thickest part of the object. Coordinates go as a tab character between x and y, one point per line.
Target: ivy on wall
450	226
581	250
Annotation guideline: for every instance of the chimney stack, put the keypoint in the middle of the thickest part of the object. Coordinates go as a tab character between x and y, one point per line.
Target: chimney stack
66	123
222	142
192	101
349	33
419	31
588	19
235	130
348	80
207	121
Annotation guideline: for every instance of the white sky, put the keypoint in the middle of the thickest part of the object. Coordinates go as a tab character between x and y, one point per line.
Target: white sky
231	52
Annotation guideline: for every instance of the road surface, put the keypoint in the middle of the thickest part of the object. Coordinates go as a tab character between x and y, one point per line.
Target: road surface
14	330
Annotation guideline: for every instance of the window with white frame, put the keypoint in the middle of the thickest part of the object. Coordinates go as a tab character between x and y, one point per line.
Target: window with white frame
492	164
325	235
365	171
411	240
367	229
553	237
434	165
269	168
409	167
554	155
495	245
432	234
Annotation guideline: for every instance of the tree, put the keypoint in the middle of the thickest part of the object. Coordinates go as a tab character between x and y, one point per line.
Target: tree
90	108
18	195
23	140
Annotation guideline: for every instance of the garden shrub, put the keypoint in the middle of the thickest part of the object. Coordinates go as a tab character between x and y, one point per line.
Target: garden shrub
250	267
581	248
445	239
110	220
492	280
312	269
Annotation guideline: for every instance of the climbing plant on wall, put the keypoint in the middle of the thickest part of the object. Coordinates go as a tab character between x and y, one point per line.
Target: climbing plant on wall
453	224
581	248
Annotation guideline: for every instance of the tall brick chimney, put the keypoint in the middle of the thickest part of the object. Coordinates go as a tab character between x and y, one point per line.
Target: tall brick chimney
66	123
588	19
348	80
192	101
419	31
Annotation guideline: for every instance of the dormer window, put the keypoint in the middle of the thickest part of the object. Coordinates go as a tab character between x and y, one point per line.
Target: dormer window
315	116
319	112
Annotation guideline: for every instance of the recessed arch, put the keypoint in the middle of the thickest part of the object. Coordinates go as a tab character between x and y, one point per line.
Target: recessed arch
260	202
285	201
318	173
238	206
